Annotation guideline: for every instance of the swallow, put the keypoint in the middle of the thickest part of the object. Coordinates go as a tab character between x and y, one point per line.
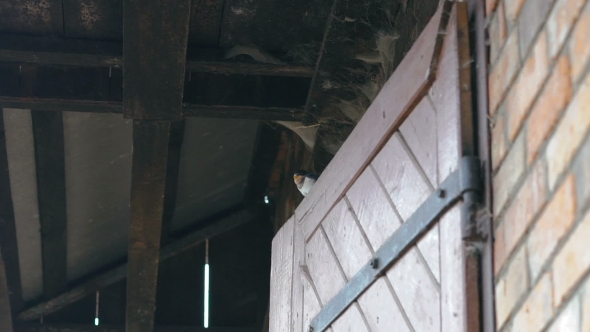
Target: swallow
304	181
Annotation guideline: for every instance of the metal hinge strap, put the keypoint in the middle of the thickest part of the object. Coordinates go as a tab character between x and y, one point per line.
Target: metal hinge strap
465	180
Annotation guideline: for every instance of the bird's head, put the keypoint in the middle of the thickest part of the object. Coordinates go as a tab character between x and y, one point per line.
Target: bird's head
299	176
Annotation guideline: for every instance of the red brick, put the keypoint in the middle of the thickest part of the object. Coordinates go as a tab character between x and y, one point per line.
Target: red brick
552	101
532	18
497	31
579	47
538	308
499	148
553	225
490	6
512	10
572	262
511	287
529	200
508	174
560	23
504	70
570	133
529	81
569	319
500	254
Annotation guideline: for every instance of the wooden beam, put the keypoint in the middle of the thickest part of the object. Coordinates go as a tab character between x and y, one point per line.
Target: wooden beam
243	112
173	165
199	66
5	311
114	328
155	35
8	240
51	192
119	273
190	110
148	181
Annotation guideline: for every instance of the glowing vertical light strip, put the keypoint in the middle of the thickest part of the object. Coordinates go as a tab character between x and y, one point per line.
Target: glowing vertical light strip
96	310
206	322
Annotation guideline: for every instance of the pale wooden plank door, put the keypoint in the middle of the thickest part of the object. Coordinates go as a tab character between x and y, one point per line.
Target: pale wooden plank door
339	227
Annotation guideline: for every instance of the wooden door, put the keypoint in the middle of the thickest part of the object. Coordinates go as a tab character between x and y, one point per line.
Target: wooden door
381	242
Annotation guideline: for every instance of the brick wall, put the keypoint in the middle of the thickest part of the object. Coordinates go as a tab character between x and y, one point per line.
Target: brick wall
539	90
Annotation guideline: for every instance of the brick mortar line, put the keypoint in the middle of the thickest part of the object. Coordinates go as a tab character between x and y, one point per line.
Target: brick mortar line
576	86
550	195
547	266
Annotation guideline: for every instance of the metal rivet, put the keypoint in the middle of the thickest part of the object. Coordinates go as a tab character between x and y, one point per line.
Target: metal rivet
375	263
440	193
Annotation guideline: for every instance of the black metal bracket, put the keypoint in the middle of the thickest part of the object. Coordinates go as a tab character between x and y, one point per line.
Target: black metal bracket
463	184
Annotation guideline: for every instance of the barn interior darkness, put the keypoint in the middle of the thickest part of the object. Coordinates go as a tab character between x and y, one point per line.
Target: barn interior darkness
268	87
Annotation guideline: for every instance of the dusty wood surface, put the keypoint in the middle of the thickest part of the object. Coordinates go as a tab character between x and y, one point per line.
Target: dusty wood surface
154	50
97	60
148	178
119	273
8	241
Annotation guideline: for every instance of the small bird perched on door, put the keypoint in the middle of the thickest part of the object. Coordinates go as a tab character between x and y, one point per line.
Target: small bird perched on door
304	181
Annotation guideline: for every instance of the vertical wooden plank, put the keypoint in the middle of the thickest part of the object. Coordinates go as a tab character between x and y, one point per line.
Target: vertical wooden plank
8	240
311	303
51	193
298	292
281	276
445	97
346	239
155	35
5	312
148	175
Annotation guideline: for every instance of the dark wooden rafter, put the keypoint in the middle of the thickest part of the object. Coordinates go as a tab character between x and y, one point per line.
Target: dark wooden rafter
48	140
215	228
148	180
111	328
155	35
173	165
200	66
196	111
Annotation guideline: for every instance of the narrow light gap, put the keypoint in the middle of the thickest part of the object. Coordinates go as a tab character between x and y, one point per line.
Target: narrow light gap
96	320
206	297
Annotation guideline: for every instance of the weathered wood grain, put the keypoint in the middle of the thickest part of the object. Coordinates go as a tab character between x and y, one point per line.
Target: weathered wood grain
148	178
115	328
155	38
373	208
381	310
281	277
351	320
323	267
417	292
51	192
408	189
397	98
205	22
347	240
298	288
311	303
